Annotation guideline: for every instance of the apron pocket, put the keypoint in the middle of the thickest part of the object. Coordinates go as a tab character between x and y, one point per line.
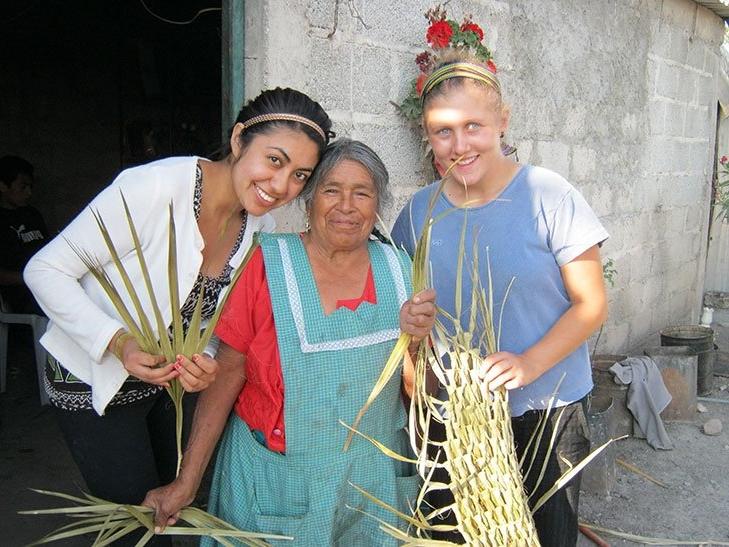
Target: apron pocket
279	490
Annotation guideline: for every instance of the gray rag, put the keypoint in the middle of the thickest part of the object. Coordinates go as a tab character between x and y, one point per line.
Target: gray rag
647	397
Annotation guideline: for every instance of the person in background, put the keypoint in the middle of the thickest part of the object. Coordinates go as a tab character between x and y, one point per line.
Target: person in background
22	232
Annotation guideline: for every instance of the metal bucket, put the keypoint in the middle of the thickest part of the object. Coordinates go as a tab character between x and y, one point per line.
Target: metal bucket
605	385
701	340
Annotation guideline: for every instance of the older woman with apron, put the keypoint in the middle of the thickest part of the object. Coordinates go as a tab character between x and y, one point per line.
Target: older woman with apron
304	337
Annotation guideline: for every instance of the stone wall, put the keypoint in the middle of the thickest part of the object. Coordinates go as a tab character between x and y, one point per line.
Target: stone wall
619	97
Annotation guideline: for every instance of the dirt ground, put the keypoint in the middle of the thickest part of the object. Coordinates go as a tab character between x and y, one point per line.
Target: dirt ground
693	505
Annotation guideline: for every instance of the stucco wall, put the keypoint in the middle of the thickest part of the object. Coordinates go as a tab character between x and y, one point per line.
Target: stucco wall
619	97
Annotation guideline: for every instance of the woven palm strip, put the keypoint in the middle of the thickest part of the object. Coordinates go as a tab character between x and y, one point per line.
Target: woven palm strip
485	478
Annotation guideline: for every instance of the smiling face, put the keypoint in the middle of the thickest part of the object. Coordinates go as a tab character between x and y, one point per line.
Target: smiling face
466	122
272	169
343	209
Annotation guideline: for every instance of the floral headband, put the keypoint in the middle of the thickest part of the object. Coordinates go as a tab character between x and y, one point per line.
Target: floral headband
445	36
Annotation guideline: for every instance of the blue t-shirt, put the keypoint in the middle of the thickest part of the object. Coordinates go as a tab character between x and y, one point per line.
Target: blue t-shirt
539	223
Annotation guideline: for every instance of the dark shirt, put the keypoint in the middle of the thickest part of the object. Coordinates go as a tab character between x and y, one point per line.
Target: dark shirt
22	233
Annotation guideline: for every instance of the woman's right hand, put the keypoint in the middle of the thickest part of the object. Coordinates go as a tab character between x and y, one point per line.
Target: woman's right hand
167	502
145	366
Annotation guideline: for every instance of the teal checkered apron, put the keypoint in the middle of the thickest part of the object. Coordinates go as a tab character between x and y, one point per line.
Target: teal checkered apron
330	364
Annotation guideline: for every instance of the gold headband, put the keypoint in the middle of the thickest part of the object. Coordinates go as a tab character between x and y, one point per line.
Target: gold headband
460	70
285	117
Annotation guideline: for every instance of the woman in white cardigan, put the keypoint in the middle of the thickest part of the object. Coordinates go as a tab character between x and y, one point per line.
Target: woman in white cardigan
108	394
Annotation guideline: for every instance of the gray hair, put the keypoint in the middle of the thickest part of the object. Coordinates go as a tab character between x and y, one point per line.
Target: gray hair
348	149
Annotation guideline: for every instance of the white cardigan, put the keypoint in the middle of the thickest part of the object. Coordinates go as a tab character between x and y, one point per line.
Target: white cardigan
83	319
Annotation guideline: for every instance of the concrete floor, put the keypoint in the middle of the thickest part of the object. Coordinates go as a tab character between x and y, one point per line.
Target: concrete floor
32	453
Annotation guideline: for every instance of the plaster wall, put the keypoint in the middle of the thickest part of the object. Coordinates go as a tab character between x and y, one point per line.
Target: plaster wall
619	97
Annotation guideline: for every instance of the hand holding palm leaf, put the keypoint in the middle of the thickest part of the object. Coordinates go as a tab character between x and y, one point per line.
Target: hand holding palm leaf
109	520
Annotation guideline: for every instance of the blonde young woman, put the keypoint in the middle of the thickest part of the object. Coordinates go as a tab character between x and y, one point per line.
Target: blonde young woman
537	228
108	394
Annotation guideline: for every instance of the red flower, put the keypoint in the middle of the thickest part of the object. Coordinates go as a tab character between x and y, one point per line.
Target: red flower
491	66
724	160
473	27
439	34
423	61
419	83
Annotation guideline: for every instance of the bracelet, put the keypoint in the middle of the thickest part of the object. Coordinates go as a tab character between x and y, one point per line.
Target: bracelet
118	346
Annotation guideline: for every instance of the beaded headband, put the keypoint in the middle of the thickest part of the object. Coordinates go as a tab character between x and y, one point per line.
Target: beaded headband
285	117
460	70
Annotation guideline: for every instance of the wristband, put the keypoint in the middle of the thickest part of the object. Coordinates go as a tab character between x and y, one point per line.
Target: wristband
118	346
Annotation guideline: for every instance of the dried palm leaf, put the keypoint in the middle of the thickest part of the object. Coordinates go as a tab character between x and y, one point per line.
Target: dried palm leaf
110	520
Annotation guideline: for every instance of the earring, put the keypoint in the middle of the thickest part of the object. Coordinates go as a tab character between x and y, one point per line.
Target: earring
307	226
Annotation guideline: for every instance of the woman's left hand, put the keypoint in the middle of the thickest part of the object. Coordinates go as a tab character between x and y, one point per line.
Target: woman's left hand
510	370
417	315
197	373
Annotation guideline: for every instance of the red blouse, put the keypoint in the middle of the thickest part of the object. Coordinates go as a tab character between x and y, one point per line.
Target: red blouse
247	326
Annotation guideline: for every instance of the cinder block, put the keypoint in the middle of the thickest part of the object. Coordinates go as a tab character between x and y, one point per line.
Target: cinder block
651	74
661	155
657	116
675	118
681	150
584	163
711	61
667	81
398	24
695	55
686	85
706	91
615	337
575	125
679	44
555	156
371	83
601	199
330	73
696	218
676	220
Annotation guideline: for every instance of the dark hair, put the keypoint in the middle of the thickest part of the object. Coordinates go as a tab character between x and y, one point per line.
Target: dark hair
12	166
283	101
348	149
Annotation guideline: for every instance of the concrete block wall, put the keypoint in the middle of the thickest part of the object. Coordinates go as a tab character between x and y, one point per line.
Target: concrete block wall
619	97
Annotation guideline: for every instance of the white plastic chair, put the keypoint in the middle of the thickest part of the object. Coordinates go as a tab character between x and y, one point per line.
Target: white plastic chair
38	324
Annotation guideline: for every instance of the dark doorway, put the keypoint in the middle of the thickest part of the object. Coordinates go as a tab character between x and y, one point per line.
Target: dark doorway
88	88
